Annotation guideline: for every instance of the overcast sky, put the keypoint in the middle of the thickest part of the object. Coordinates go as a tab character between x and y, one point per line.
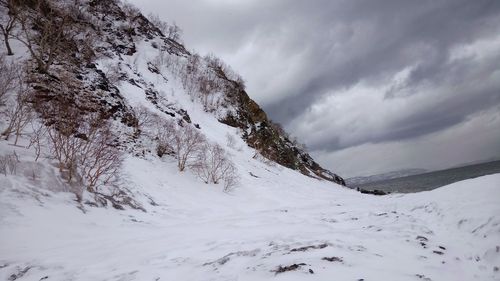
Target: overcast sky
369	86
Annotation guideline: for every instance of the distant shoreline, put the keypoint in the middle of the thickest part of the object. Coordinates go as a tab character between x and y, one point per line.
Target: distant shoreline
432	180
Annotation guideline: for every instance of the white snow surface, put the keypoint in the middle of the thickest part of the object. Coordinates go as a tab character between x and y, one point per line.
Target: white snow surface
278	217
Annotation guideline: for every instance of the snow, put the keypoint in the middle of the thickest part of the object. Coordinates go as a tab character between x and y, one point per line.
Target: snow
281	218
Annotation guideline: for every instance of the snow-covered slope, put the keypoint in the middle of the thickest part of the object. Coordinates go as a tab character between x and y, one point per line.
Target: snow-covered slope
276	220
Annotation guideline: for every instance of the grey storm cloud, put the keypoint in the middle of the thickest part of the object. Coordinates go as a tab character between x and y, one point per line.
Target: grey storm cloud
396	34
345	73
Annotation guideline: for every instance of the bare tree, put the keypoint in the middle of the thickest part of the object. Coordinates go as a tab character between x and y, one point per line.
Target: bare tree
201	165
85	152
207	87
213	165
99	161
186	142
54	25
231	178
8	20
65	147
143	119
20	112
37	138
22	116
165	136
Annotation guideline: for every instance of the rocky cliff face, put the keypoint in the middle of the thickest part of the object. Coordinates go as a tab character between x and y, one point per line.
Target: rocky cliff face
100	30
260	133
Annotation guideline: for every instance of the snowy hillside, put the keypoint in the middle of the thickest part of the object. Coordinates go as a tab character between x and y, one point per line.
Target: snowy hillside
124	156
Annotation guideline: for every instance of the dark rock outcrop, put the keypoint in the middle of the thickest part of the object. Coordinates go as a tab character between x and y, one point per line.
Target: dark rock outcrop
260	133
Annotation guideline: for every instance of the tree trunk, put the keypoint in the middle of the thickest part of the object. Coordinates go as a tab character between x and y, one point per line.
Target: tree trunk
7	45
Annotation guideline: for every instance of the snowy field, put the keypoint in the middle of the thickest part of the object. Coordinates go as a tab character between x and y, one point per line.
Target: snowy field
277	225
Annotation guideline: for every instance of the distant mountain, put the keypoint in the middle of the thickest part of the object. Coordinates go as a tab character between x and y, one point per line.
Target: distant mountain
385	176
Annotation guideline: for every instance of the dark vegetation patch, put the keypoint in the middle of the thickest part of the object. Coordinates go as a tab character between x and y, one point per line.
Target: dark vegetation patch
373	192
292	267
307	248
333	259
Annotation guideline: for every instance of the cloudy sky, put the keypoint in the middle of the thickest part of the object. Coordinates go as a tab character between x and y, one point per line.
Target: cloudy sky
369	86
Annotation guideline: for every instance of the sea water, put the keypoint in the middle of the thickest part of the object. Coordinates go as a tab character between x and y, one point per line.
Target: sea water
432	180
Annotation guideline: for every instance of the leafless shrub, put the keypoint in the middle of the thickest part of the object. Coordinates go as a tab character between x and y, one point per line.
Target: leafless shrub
201	82
23	114
37	138
208	86
201	164
165	137
163	60
190	73
213	165
231	178
64	145
99	161
84	150
174	63
144	119
207	79
19	112
187	141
